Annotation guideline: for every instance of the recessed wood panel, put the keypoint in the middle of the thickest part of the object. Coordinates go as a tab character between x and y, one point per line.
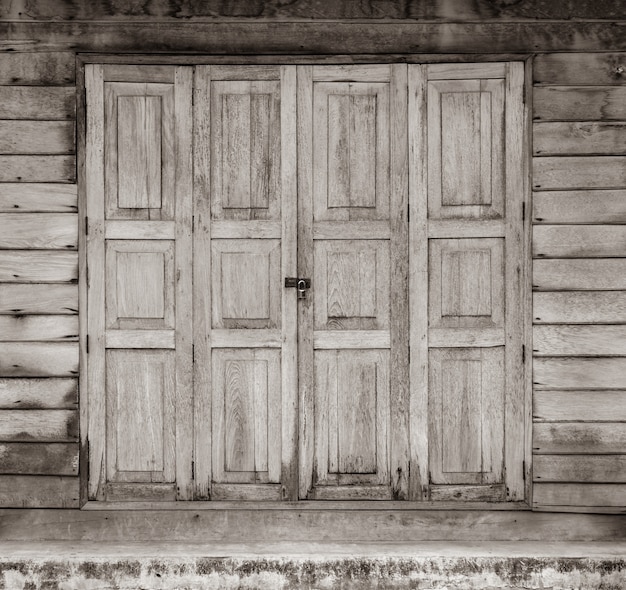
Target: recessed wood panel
140	284
466	283
352	415
246	283
139	172
245	149
466	149
246	416
140	415
466	409
351	150
351	284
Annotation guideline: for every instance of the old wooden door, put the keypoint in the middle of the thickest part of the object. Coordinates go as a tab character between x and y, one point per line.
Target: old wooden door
397	192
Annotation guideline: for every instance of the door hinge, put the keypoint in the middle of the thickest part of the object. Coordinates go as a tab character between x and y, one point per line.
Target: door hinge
523	353
193	353
87	344
193	470
523	211
86	225
524	470
408	212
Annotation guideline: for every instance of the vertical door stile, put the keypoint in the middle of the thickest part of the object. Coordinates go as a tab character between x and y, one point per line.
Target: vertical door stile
418	281
202	283
305	269
289	191
96	285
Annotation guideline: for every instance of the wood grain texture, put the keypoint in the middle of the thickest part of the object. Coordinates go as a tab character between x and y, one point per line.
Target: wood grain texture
37	137
22	266
588	138
37	169
298	524
589	497
592	206
38	231
38	359
42	328
442	10
39	425
577	172
583	468
579	373
316	38
579	241
39	491
579	274
38	197
587	69
39	458
579	405
38	393
573	340
39	298
579	103
48	68
579	438
43	103
579	307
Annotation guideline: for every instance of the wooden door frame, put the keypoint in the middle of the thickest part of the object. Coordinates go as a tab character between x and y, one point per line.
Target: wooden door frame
525	269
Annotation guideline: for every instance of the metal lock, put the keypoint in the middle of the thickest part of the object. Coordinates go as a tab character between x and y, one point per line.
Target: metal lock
302	285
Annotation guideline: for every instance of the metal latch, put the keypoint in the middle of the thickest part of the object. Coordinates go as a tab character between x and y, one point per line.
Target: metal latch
301	284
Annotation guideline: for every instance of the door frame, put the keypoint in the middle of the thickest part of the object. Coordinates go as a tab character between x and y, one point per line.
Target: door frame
525	295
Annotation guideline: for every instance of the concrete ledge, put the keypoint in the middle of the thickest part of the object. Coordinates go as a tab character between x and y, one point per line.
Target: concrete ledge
437	565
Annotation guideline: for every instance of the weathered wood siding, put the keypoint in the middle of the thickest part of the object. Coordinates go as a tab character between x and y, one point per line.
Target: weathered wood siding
38	281
579	282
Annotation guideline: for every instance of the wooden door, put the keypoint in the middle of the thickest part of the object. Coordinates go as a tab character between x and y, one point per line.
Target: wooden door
353	334
138	227
469	412
245	320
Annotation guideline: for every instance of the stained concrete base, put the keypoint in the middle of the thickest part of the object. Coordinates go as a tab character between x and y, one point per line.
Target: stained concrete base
436	565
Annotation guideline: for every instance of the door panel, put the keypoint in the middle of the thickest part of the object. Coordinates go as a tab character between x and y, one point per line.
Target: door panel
245	244
353	244
139	148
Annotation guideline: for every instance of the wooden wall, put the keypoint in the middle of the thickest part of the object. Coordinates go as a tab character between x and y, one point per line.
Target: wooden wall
38	281
579	281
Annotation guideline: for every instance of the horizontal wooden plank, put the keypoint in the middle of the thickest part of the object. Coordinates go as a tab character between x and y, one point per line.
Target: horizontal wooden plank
39	491
245	229
442	10
453	337
575	340
579	274
38	425
38	359
37	69
140	339
38	298
37	137
137	492
583	69
571	103
40	231
245	492
253	36
460	228
233	338
579	307
329	493
140	230
43	103
37	169
579	405
584	497
372	73
579	438
32	394
564	138
351	230
583	468
19	266
32	197
302	524
337	339
578	172
579	373
591	206
43	328
39	458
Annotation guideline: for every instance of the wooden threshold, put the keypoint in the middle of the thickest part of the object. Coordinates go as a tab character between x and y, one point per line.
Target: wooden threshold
297	525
